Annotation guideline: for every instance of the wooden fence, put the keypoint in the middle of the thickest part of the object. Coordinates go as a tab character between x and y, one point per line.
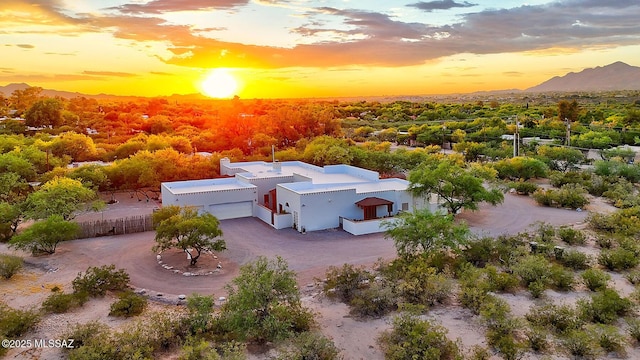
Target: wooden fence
122	226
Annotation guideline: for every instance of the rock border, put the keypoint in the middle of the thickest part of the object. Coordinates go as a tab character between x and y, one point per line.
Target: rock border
187	273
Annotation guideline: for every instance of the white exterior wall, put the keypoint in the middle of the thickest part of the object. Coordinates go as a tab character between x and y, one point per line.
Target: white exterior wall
203	199
264	185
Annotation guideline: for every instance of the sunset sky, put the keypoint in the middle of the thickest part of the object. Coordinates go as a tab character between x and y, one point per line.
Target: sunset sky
310	48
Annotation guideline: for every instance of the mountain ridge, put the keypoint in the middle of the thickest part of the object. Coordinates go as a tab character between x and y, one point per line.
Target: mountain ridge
615	76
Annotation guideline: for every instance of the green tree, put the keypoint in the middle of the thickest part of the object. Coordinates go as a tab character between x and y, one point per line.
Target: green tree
10	216
186	229
47	112
44	236
560	158
459	187
264	303
79	147
424	233
61	196
520	168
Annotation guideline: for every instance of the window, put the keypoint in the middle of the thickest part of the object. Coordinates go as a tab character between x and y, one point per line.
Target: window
405	206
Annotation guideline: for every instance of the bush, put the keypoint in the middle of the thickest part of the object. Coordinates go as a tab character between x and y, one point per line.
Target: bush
345	282
571	236
10	265
575	260
82	334
501	281
618	259
533	268
537	339
609	339
633	277
559	318
633	329
200	349
561	278
604	307
581	344
523	187
128	304
422	285
413	338
595	279
96	281
310	346
60	302
568	196
200	319
14	323
501	327
374	301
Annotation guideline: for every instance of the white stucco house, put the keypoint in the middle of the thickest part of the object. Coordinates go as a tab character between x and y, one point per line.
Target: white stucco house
299	195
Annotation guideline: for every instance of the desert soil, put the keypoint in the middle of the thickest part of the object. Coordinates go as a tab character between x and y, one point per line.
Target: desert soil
308	254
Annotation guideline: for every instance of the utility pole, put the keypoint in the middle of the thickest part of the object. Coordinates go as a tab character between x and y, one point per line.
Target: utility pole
568	123
516	140
444	128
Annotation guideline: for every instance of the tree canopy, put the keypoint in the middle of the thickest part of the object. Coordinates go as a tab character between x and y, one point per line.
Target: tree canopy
460	187
44	236
61	196
423	233
186	229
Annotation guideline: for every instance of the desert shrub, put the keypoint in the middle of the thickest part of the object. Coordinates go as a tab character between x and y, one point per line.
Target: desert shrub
624	221
561	278
59	302
604	307
633	277
568	196
481	252
200	309
198	349
533	268
10	265
580	344
343	283
375	300
520	168
195	348
575	260
523	187
14	323
571	236
128	304
422	285
633	329
479	353
537	339
609	339
96	281
595	279
474	288
618	259
413	338
82	334
501	281
501	327
558	179
559	318
604	242
310	346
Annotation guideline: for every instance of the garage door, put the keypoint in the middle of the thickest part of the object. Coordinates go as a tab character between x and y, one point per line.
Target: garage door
232	210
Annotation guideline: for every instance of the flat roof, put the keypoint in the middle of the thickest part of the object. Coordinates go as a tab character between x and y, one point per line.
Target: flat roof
332	174
306	187
196	186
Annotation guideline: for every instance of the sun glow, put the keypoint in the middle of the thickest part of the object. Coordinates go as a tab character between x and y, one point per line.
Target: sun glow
219	83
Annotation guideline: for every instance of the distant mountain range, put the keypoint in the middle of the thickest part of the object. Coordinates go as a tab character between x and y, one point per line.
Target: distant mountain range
616	76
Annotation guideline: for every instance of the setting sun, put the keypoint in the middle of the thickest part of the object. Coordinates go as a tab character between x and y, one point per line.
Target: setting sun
219	83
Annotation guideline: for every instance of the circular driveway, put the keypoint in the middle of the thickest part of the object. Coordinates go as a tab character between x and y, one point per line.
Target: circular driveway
308	255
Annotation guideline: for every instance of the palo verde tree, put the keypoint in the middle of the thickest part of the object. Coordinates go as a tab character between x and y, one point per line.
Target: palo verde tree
46	112
423	233
186	229
61	196
44	236
264	303
460	187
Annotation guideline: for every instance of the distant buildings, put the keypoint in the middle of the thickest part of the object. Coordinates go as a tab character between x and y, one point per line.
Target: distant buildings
298	195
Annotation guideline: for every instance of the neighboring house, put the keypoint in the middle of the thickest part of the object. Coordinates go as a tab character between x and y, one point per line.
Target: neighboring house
299	195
